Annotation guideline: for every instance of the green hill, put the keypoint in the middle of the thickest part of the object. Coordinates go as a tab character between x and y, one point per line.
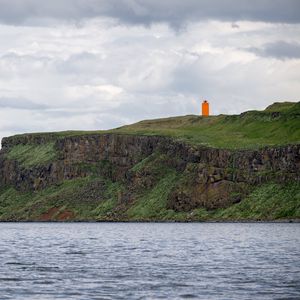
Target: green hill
277	125
189	168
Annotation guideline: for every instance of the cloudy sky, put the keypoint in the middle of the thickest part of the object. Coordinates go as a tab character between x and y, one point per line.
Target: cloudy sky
98	64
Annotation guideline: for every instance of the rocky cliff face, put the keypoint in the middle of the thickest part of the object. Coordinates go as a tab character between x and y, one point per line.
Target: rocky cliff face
211	178
122	152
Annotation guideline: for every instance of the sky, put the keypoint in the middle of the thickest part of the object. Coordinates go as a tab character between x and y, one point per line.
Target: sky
100	64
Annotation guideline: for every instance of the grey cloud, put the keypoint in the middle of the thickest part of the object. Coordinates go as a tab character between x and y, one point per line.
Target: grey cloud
20	103
173	12
191	79
280	50
234	25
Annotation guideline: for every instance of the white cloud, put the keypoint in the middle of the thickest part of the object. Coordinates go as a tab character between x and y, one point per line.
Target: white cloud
103	74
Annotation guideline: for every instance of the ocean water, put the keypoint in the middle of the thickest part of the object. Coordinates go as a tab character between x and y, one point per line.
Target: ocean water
149	261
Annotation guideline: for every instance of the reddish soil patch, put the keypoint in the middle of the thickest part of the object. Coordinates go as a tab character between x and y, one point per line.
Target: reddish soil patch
65	215
48	216
54	214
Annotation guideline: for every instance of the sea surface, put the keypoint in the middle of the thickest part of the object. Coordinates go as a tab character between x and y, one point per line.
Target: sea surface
149	261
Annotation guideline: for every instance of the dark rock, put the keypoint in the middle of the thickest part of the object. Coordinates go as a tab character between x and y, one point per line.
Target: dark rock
213	177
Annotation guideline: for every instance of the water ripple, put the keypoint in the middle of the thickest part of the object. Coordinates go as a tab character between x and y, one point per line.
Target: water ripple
149	261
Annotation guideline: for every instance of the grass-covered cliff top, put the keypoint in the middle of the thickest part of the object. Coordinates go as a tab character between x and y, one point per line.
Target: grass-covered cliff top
149	191
278	124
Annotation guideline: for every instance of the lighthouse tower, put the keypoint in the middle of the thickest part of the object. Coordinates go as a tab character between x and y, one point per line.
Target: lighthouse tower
205	108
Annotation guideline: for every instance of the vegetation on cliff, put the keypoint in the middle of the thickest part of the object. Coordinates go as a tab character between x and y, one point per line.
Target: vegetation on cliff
188	168
278	124
32	155
72	201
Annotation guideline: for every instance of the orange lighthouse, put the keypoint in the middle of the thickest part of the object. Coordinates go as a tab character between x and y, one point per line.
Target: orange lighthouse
205	108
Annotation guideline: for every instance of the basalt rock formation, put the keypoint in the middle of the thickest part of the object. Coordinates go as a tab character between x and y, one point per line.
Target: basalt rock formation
181	168
209	178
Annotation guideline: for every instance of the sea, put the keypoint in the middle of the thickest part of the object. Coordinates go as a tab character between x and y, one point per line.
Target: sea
149	261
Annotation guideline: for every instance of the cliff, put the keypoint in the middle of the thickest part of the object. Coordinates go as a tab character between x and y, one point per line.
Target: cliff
148	172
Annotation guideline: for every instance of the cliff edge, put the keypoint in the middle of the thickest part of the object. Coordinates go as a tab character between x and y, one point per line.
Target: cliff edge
241	167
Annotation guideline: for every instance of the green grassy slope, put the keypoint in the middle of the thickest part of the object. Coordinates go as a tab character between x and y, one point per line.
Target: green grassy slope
84	198
32	155
68	202
98	198
278	124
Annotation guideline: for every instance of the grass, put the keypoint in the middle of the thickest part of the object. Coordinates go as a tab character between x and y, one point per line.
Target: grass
253	129
281	107
111	195
144	162
153	204
278	124
81	196
12	202
97	198
31	155
266	202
